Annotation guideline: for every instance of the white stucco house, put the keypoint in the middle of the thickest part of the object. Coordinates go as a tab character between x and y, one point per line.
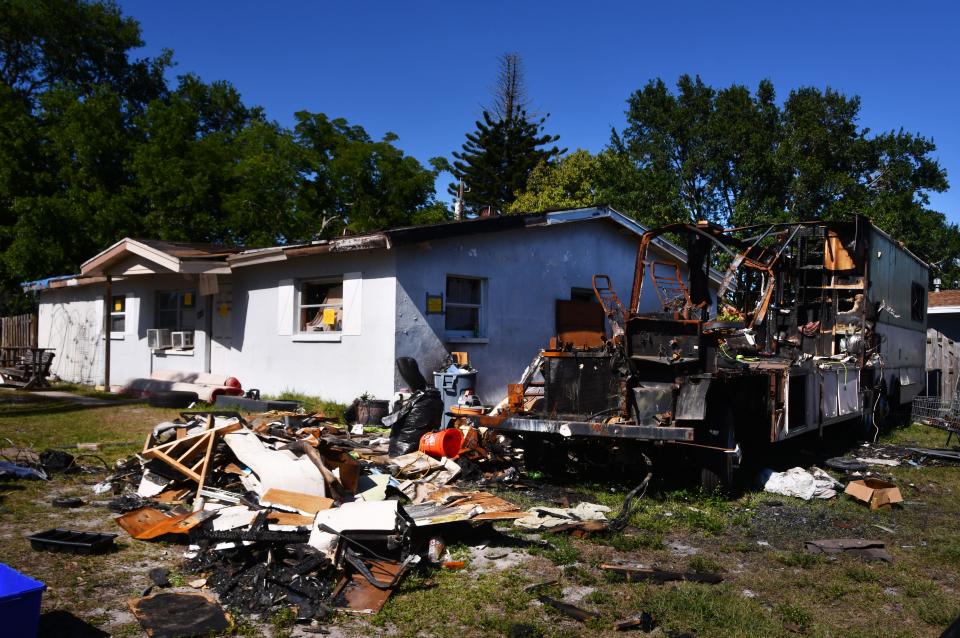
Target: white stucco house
330	317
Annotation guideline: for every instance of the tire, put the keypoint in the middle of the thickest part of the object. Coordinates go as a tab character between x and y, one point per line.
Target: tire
172	399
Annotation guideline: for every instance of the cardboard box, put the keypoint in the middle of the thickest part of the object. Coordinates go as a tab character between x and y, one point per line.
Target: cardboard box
875	492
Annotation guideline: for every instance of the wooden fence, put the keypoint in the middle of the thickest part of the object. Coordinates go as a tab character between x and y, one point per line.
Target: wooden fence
19	331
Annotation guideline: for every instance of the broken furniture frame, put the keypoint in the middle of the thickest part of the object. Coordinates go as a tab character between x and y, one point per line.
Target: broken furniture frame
26	368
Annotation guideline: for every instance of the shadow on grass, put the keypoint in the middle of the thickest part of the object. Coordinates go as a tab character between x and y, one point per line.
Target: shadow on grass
40	408
61	623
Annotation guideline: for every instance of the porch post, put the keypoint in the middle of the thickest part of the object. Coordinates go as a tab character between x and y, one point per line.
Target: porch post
108	299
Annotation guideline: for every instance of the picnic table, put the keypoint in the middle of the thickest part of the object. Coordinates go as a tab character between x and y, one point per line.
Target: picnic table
25	367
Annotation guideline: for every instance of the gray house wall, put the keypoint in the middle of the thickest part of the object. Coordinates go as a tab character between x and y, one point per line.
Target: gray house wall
525	272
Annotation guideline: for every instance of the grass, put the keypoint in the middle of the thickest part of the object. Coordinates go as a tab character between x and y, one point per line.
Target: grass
774	589
312	404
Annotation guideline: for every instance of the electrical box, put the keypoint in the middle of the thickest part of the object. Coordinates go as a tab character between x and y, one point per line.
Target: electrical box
158	339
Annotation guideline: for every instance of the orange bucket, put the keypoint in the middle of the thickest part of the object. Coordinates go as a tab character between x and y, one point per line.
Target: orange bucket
443	443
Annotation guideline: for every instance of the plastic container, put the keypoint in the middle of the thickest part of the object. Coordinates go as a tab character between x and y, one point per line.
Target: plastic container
453	382
445	443
19	603
75	542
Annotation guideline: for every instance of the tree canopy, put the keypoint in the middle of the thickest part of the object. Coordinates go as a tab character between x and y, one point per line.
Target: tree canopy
95	145
738	157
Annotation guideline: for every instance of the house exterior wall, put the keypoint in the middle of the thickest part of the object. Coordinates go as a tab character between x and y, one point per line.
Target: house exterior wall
251	318
525	271
261	357
70	322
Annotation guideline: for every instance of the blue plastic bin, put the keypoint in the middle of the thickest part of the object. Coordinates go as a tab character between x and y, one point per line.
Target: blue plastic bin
19	603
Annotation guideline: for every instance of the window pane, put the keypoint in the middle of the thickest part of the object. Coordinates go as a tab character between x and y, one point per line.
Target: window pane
167	301
321	319
313	293
118	323
167	319
462	290
463	319
119	304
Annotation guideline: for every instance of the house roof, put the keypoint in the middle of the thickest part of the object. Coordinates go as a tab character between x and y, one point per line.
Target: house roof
168	256
406	235
944	301
150	255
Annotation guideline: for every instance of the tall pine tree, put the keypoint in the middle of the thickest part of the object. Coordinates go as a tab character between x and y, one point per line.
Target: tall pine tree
508	143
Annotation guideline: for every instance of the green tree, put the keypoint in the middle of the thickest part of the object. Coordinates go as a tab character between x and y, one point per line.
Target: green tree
354	183
572	182
498	157
738	158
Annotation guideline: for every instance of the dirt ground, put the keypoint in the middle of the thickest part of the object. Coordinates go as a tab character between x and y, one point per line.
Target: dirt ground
771	586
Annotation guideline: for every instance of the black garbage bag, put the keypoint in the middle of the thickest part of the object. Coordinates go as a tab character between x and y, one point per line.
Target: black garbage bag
420	414
410	373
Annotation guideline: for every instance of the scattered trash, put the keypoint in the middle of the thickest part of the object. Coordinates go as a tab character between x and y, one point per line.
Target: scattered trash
644	622
573	611
539	518
800	483
634	571
885	462
170	614
160	576
67	502
846	464
875	492
72	541
869	550
10	470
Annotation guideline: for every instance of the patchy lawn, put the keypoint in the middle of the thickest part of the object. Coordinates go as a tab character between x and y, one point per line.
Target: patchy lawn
771	586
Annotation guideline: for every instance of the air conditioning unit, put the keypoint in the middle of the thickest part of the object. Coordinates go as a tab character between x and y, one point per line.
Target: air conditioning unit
158	339
182	340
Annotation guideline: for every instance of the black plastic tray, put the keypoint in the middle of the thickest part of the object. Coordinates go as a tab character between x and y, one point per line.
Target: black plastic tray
66	540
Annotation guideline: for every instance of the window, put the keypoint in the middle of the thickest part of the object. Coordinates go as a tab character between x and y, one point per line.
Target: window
118	314
176	310
918	302
321	305
464	311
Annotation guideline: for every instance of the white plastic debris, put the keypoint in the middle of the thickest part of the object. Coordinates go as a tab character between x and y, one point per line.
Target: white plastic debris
800	483
547	517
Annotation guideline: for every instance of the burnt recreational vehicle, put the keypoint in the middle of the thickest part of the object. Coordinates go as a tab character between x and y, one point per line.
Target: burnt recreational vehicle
815	325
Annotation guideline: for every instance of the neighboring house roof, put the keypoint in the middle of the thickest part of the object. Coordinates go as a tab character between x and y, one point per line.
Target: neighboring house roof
212	259
944	301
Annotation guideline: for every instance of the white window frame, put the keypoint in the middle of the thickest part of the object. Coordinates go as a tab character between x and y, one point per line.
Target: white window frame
118	334
299	306
467	336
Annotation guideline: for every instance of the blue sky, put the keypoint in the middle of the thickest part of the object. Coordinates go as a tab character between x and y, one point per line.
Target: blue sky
424	69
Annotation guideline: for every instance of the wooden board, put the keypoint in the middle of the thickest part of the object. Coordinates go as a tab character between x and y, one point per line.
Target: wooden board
296	500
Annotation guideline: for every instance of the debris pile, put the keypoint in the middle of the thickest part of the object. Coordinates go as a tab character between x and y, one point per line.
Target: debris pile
285	510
